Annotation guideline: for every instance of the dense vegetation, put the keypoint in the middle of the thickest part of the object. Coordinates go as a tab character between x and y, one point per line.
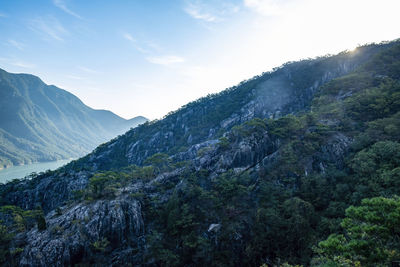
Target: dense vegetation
284	213
39	122
371	236
286	89
329	197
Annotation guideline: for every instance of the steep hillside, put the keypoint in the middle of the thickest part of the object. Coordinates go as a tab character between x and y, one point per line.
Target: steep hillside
285	90
258	174
42	123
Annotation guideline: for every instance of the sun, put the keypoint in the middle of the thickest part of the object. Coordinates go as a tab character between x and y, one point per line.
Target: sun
353	48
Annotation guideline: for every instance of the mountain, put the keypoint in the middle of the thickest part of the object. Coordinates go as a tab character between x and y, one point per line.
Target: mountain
261	173
39	122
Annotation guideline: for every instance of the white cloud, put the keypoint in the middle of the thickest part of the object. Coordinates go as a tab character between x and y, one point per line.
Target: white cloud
2	15
134	42
197	12
128	37
165	60
210	11
16	44
23	64
17	63
74	77
267	7
153	46
49	27
88	70
151	49
61	4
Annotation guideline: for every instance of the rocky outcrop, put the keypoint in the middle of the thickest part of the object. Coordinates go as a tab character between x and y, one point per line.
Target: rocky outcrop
103	226
46	191
113	231
335	149
286	90
268	96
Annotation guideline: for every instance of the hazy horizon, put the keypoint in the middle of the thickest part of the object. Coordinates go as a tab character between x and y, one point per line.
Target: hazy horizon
150	58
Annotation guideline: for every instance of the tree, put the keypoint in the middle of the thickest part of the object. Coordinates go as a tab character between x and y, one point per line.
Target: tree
371	235
103	184
160	161
41	222
5	238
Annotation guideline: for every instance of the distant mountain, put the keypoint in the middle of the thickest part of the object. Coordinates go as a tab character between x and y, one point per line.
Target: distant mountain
259	174
40	122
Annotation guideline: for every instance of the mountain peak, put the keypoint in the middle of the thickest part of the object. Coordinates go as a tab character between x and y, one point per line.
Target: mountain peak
42	122
258	174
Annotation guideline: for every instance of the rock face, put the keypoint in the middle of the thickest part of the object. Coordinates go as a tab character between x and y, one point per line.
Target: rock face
103	224
50	192
335	149
112	232
243	153
287	90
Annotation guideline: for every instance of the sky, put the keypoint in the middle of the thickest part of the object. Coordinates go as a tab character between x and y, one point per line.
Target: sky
149	57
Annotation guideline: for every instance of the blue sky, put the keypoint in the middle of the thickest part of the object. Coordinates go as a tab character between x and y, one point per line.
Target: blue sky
150	57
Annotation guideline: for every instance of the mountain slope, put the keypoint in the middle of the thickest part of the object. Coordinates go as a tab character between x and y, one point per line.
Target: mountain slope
41	123
251	186
286	90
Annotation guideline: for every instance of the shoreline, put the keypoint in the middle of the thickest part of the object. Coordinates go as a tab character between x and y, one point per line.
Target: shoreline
21	171
5	167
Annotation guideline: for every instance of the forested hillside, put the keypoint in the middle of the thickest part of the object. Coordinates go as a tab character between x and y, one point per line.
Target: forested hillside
39	122
298	166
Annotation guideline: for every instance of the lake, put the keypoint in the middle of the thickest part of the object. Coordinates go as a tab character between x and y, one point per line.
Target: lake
21	171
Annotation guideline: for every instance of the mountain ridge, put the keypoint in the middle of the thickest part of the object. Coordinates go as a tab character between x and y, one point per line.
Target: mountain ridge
233	111
42	122
241	178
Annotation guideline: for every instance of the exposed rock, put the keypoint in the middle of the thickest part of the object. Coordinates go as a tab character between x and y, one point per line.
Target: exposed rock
335	149
70	238
50	192
117	224
214	227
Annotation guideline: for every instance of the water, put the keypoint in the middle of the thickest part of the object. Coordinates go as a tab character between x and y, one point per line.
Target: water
21	171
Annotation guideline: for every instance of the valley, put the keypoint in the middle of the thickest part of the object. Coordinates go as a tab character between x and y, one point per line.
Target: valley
298	166
42	123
